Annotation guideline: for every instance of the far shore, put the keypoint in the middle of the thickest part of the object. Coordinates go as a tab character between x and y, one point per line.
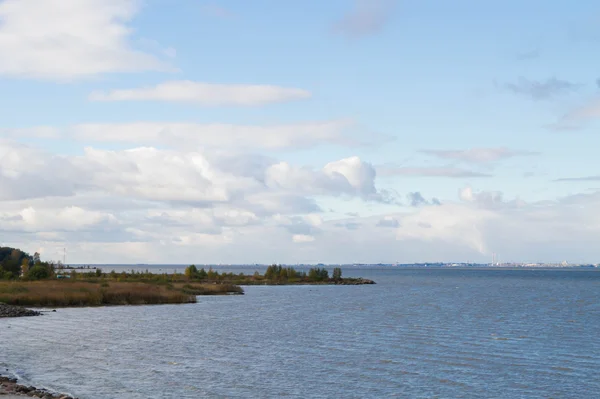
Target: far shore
96	288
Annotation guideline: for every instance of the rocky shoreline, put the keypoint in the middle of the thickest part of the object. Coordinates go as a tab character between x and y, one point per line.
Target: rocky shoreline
10	387
16	311
354	281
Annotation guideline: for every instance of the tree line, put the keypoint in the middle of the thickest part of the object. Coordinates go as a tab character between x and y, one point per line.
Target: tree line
274	273
15	264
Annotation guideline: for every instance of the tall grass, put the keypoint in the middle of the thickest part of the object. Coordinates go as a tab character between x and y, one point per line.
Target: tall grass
52	293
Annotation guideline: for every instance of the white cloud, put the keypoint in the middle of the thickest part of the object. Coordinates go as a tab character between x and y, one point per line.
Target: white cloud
151	174
69	218
208	94
26	172
449	232
202	178
350	176
69	39
449	223
55	220
302	238
195	206
217	135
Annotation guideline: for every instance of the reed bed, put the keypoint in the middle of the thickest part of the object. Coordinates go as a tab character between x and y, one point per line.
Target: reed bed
54	293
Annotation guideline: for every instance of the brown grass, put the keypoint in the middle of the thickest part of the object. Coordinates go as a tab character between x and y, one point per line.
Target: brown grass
53	293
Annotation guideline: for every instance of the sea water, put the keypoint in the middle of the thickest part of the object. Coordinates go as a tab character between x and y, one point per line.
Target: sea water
417	333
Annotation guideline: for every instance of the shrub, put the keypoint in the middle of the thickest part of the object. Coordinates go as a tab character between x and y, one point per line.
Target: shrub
38	272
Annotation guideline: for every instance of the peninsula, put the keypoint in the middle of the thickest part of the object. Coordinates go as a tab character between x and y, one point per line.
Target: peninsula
27	281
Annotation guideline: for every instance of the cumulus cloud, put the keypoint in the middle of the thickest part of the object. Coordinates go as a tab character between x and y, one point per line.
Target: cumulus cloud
69	39
194	178
542	89
349	176
478	155
366	18
158	205
158	175
458	231
207	94
26	172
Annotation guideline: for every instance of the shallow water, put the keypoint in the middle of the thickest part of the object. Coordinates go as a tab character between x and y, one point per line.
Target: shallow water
424	333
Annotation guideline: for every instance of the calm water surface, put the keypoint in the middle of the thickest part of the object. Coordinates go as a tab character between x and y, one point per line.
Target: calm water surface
416	334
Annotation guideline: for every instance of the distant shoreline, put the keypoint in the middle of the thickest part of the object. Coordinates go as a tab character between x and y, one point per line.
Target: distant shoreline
107	266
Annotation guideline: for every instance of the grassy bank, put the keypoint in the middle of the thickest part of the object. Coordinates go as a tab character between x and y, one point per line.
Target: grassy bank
57	293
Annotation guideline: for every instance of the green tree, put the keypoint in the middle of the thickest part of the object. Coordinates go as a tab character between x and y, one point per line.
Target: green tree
38	272
191	272
270	273
337	273
212	275
318	274
283	274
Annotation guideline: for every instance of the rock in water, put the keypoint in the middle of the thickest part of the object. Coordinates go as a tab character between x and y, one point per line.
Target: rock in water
16	311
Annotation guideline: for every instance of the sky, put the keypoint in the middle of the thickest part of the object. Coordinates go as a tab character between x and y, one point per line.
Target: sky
229	131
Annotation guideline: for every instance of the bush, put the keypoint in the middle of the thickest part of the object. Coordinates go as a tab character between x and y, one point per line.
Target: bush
38	272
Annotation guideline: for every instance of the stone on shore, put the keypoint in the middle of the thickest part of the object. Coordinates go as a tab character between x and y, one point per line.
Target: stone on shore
10	389
354	281
16	311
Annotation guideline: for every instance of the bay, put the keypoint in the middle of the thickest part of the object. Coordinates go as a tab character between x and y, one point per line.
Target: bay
418	333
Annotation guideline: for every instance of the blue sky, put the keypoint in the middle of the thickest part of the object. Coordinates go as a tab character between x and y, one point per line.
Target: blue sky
144	131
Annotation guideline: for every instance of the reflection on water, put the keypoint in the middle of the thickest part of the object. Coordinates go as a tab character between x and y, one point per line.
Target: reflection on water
417	334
